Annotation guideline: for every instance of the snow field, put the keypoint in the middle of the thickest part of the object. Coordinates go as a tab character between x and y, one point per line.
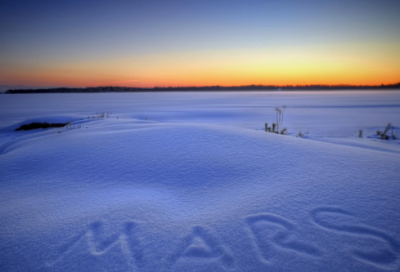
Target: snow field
192	194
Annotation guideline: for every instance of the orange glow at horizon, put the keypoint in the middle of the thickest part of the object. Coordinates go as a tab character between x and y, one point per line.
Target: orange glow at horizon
351	64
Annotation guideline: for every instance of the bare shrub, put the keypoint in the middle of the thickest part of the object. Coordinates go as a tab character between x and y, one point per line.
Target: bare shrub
383	135
300	134
278	126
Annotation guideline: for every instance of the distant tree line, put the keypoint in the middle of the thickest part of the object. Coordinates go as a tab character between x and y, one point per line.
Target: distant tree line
107	89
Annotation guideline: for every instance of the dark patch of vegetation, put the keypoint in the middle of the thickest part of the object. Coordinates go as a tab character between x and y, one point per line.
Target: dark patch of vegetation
383	135
40	125
300	135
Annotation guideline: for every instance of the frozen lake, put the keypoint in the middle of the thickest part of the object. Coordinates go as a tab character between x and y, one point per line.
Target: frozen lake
324	114
192	182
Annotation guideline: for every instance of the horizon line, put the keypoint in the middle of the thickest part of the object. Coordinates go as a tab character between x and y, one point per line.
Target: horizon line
209	86
197	88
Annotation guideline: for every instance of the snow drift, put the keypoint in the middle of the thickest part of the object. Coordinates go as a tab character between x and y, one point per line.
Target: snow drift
136	195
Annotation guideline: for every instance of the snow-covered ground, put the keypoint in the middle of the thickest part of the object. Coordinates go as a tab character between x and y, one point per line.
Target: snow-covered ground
192	182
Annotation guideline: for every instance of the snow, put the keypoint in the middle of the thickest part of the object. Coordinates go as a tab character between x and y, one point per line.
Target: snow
199	185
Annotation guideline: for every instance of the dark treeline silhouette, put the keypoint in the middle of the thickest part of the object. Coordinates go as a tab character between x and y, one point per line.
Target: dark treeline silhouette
107	89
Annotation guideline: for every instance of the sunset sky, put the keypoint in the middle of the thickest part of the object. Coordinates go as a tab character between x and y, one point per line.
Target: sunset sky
53	43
